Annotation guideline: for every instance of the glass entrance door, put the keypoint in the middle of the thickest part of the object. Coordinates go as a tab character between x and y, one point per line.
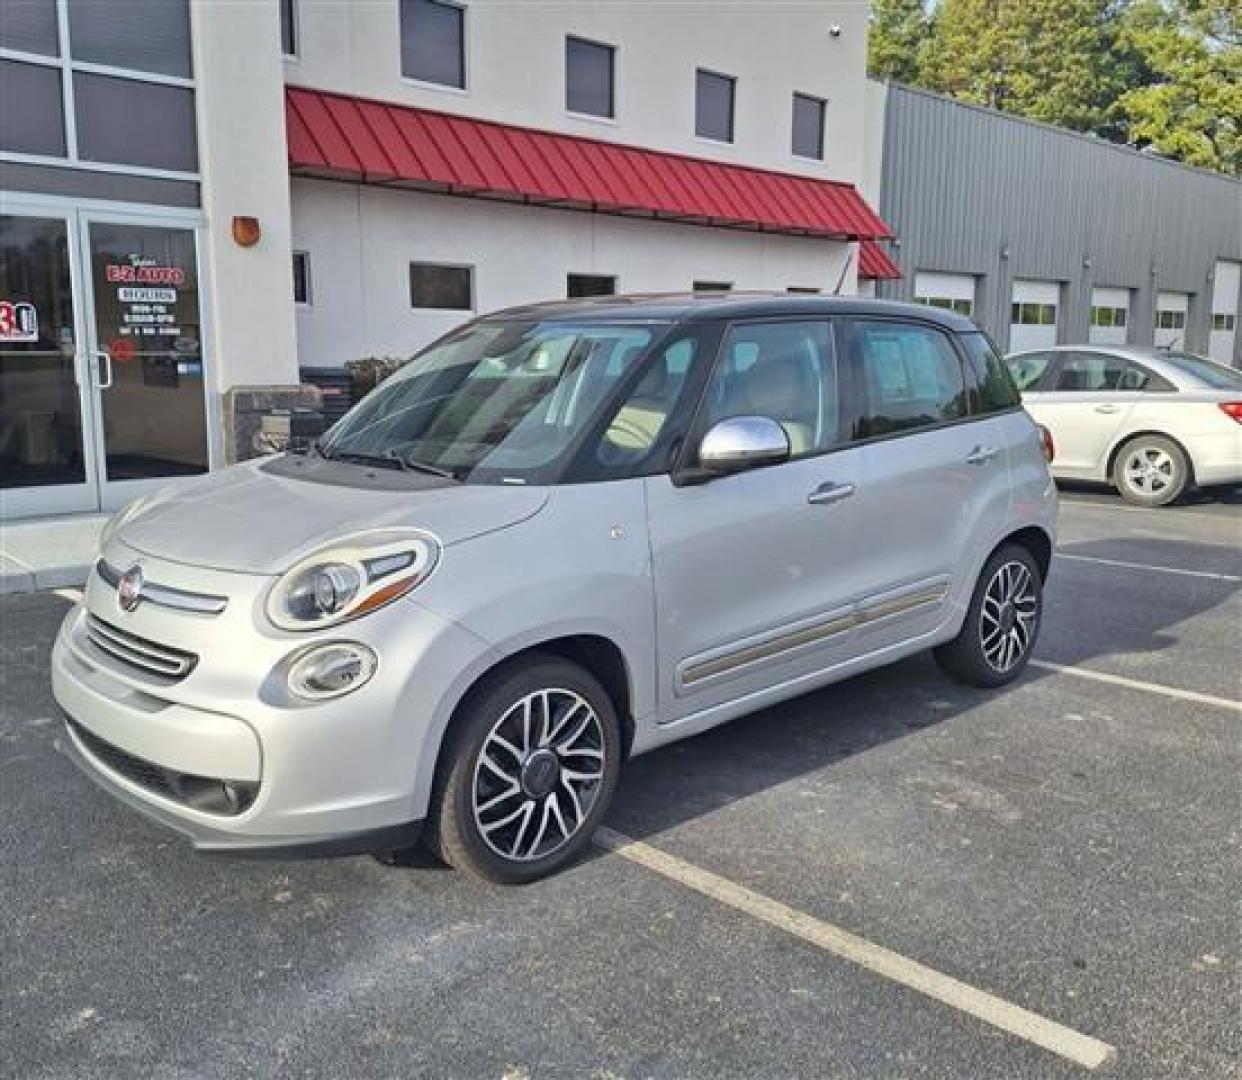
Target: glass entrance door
146	355
46	452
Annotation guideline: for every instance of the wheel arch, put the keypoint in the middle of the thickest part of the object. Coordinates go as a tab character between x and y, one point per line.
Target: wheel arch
1036	540
1129	437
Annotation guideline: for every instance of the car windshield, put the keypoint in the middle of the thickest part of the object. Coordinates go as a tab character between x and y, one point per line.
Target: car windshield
497	402
1208	372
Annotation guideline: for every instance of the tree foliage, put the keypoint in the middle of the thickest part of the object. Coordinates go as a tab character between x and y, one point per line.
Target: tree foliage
1164	74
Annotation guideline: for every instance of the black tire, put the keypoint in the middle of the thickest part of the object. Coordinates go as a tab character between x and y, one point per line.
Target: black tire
975	656
1151	470
464	781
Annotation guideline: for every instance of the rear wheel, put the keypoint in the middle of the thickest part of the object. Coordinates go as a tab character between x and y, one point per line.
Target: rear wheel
1151	471
1002	623
529	773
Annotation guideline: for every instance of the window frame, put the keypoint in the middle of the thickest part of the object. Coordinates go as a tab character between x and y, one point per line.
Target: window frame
732	82
822	106
611	115
468	267
68	67
463	49
1228	321
308	288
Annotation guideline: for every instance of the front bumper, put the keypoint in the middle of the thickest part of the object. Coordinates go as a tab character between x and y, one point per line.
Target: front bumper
349	774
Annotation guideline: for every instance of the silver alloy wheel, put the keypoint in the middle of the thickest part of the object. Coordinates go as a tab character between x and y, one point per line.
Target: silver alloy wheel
538	774
1149	470
1007	621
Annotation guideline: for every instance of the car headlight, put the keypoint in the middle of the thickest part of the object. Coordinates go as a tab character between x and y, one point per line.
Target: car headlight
351	578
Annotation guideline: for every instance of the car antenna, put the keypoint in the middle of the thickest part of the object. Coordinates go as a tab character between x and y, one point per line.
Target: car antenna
844	270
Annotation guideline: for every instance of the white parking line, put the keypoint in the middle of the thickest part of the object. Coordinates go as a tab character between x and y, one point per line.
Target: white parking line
72	595
1164	512
1148	566
1081	1049
1138	684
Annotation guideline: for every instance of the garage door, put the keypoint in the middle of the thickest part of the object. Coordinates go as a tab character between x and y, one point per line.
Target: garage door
1110	316
956	292
1224	311
1171	308
1033	319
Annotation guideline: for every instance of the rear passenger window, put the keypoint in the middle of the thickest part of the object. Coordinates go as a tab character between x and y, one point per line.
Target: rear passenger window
1088	372
910	377
992	390
786	371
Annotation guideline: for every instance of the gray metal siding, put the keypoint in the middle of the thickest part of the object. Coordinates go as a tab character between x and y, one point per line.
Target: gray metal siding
961	186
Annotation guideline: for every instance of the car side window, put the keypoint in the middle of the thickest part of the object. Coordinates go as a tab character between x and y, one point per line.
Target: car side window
1092	372
642	417
1028	369
992	390
910	377
786	371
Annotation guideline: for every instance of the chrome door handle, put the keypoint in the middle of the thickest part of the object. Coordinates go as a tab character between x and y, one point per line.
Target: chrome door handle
105	383
1107	409
981	455
830	492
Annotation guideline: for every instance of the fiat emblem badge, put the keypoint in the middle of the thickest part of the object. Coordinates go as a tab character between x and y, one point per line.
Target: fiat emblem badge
129	589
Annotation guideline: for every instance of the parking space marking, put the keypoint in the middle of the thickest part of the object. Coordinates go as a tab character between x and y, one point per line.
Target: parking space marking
72	595
1164	512
1138	684
1147	566
1072	1045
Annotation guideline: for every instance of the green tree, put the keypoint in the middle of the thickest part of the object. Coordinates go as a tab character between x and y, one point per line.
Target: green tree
898	34
1189	104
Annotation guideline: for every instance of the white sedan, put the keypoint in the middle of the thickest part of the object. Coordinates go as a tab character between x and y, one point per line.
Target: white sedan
1152	422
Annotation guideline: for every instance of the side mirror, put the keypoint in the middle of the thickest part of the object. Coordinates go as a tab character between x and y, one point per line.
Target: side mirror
743	442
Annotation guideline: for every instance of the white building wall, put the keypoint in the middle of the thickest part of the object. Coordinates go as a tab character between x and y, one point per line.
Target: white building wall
515	69
362	239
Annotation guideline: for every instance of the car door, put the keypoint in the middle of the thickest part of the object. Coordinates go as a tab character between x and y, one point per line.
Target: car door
934	477
1089	397
754	572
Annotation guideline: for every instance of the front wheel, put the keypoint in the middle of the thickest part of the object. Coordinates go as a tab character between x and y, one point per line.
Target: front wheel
1151	471
1002	623
529	772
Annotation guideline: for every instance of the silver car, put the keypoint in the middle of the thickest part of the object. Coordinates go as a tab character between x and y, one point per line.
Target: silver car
1152	422
561	536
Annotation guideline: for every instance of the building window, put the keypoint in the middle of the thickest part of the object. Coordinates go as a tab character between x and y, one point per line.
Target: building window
301	278
589	78
1222	320
1170	320
947	303
38	127
1108	316
289	27
579	285
433	42
804	290
152	36
31	28
713	286
104	108
434	285
713	105
1026	314
808	127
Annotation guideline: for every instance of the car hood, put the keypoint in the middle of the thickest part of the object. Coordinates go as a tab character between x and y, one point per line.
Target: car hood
262	517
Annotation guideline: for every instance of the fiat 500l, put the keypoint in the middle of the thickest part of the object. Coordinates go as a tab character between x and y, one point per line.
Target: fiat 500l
560	536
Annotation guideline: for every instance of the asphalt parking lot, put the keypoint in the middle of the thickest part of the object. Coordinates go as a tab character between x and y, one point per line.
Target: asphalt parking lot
1069	847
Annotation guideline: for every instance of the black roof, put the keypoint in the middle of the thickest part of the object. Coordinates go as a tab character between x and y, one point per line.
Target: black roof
709	306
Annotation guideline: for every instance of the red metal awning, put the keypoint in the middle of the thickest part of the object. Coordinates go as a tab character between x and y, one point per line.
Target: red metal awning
348	138
875	262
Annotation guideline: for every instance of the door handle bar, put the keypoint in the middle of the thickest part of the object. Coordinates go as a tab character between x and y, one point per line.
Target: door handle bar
1107	409
105	383
830	492
981	455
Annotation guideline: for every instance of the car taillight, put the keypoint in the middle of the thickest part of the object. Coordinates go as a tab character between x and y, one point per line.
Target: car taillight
1050	448
1232	409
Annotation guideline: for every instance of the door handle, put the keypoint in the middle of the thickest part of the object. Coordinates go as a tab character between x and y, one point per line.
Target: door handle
981	455
104	369
1107	409
830	492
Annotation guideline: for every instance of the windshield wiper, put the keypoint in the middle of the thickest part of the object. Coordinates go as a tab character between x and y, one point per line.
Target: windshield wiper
418	466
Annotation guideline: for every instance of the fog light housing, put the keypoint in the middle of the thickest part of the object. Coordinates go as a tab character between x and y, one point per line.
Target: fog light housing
331	670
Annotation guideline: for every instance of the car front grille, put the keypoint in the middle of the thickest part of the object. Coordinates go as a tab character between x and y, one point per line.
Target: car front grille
138	652
205	793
